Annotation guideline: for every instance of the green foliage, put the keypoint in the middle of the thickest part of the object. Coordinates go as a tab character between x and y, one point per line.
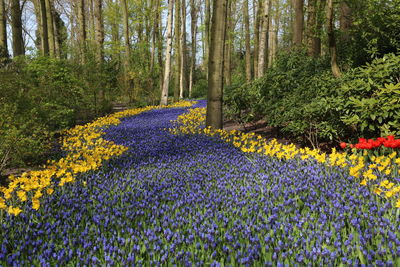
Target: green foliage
373	93
297	95
374	32
301	97
41	96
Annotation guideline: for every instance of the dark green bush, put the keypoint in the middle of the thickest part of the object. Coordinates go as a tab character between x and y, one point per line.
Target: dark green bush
373	97
41	96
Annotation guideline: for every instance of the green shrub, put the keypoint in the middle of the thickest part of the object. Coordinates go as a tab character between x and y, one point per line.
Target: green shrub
373	93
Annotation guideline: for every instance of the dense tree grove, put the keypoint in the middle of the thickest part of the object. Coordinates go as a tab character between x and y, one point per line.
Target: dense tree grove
65	62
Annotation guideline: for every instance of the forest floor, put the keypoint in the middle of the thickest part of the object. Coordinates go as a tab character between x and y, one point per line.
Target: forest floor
195	200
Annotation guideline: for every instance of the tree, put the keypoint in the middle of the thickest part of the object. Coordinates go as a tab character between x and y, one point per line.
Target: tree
345	20
332	41
50	28
263	43
257	20
207	21
298	22
193	25
99	30
44	38
311	27
183	52
3	31
247	37
82	30
167	71
215	65
177	54
18	45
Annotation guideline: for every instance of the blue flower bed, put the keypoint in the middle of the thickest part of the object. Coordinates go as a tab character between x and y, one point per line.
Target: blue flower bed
195	201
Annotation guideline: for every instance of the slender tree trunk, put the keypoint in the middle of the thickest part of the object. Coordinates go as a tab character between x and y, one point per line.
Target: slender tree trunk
247	37
263	48
183	73
345	20
216	65
332	41
177	55
159	37
57	41
115	36
154	8
167	71
298	22
207	21
126	30
3	31
257	34
193	25
320	21
273	40
50	28
311	27
16	26
44	38
82	30
99	30
228	43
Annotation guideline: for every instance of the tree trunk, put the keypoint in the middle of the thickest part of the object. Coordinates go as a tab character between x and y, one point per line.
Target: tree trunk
99	30
50	28
273	40
263	46
332	41
193	25
228	43
44	37
257	34
3	31
345	20
126	30
177	55
82	30
298	22
16	26
216	65
311	27
247	37
183	73
320	21
159	37
207	34
167	71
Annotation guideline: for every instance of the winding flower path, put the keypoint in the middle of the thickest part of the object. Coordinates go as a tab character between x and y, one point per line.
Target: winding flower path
193	200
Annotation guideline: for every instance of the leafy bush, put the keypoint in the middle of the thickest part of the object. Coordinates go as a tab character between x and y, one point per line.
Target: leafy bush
41	96
373	92
297	95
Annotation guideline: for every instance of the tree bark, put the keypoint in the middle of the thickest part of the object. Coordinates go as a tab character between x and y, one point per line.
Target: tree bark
183	73
126	30
332	41
3	31
207	21
99	30
228	44
311	28
345	20
167	71
298	22
193	25
82	30
177	55
16	27
263	48
216	64
247	37
50	28
320	21
257	34
44	37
